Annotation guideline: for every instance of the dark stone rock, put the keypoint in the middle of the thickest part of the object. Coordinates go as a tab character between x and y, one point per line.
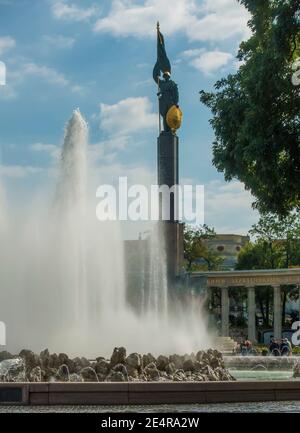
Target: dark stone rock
151	372
54	362
199	355
179	376
121	369
100	358
115	376
49	374
36	375
162	362
45	358
101	377
5	355
170	368
177	361
189	365
63	359
148	359
31	359
102	367
63	373
134	360
118	356
88	374
77	364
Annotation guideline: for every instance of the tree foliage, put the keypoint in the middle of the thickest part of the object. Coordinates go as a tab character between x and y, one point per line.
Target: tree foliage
196	249
276	245
256	111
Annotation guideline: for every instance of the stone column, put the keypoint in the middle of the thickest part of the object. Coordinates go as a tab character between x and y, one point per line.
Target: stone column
225	312
251	314
277	328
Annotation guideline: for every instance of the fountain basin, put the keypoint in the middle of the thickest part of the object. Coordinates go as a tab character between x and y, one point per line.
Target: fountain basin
261	362
148	393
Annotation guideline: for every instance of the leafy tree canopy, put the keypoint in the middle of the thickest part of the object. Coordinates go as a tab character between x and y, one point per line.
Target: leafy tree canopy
196	249
277	243
256	111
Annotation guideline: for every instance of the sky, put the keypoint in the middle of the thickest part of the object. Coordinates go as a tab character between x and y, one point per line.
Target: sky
98	55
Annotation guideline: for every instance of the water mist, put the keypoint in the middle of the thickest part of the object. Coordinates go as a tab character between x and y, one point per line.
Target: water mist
62	279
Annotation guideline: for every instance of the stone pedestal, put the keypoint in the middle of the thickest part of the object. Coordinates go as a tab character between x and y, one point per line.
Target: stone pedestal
173	233
168	175
167	171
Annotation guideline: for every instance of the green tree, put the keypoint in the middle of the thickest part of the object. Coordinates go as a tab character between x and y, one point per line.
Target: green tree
195	248
276	245
256	111
261	255
282	236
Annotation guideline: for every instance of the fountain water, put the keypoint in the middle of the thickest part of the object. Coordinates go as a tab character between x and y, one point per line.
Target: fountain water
156	301
62	275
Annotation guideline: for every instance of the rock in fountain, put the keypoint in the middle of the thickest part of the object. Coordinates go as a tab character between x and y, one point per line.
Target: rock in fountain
204	366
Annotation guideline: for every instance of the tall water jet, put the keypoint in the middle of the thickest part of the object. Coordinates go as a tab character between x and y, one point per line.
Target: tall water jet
71	191
62	274
70	213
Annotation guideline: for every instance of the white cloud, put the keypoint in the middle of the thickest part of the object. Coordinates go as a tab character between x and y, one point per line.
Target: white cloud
131	18
194	52
127	116
18	171
199	20
64	11
16	77
207	61
50	149
59	41
219	20
228	207
49	74
211	61
6	43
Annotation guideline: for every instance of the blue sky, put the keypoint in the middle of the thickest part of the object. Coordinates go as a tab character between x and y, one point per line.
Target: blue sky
98	56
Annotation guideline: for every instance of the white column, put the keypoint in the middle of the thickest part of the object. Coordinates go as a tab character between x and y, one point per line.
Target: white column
225	312
277	312
251	314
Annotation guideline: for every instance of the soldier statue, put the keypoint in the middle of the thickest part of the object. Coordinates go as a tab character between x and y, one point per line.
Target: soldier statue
167	89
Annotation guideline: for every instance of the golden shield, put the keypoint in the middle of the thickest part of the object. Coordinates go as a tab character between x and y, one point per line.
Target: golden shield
174	118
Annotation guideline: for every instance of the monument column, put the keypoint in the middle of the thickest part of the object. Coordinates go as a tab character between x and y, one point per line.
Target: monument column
225	311
167	159
251	314
277	323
